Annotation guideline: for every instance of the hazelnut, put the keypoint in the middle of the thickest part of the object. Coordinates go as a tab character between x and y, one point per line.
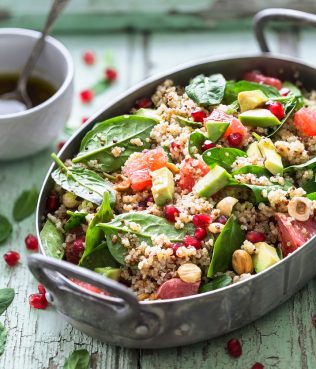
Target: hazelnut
189	273
242	262
226	205
215	227
123	183
300	208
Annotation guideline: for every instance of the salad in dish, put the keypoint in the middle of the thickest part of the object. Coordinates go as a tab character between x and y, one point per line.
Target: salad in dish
198	187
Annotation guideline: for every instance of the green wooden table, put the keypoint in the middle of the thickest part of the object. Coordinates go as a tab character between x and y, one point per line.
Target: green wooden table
283	339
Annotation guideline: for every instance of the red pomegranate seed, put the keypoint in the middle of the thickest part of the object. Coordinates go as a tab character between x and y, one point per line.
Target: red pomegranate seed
235	139
175	247
88	57
86	96
198	115
284	91
254	236
31	242
84	119
207	145
74	250
201	220
110	74
276	108
221	219
200	233
38	301
11	258
41	289
60	145
192	241
257	366
143	103
314	320
234	348
171	212
52	203
174	146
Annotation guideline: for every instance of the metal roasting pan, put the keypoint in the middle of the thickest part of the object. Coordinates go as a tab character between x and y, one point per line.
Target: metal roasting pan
122	320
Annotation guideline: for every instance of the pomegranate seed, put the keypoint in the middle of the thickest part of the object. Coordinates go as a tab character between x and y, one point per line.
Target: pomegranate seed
175	146
84	119
171	212
221	219
257	366
86	96
89	57
60	145
143	103
314	320
254	236
38	301
284	91
150	199
52	203
235	139
192	241
198	115
200	233
41	289
276	108
11	258
201	220
31	242
175	247
110	74
74	250
207	145
234	348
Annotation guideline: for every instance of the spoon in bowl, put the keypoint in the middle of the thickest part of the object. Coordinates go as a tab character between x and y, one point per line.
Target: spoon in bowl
19	100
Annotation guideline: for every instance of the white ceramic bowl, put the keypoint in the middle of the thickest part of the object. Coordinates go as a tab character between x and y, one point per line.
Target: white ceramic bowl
28	132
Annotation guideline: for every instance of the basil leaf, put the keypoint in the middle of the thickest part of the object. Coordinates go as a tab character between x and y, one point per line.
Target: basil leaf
196	141
79	359
186	122
206	91
253	169
99	257
5	228
223	156
233	88
3	338
75	219
116	132
6	297
229	240
309	164
218	282
52	240
25	204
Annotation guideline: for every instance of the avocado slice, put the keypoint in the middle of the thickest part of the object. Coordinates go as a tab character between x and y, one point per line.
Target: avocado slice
264	257
249	100
212	182
109	272
253	150
259	118
273	161
215	130
163	186
187	122
148	113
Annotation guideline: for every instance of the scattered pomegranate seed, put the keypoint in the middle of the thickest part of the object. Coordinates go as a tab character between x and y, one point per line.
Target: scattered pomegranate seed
201	220
257	366
31	242
254	236
11	258
207	145
110	74
200	233
284	91
41	289
175	247
175	146
88	57
38	301
276	108
86	96
234	348
235	139
52	203
84	119
60	145
192	241
171	212
143	103
314	320
221	219
198	115
74	250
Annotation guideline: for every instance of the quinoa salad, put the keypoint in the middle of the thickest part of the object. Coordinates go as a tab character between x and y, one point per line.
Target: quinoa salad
198	187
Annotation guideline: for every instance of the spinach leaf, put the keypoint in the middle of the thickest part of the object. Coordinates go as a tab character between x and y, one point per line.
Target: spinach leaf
6	297
309	186
232	108
116	132
5	228
25	204
109	272
295	91
75	219
233	88
206	91
253	169
311	196
196	141
229	240
3	338
309	164
186	122
99	257
83	182
79	359
222	156
218	282
52	240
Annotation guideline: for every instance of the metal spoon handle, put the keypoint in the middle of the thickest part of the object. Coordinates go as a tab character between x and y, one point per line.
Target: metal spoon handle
55	10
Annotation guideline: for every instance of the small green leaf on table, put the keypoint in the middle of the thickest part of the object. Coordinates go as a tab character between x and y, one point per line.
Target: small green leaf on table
5	228
3	338
6	298
52	240
25	204
79	359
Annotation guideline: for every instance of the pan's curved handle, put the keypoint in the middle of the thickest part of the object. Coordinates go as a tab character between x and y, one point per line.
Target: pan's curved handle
288	15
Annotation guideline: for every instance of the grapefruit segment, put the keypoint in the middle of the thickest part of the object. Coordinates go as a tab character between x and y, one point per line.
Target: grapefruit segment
191	170
258	77
305	121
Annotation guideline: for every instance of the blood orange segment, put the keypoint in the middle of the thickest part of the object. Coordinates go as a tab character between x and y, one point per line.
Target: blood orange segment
191	169
305	121
175	287
88	286
218	115
261	78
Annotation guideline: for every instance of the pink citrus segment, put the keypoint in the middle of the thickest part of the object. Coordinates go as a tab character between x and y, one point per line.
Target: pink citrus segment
261	78
190	170
305	121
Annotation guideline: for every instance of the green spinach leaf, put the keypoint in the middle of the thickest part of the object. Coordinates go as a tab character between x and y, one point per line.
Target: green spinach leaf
116	132
186	122
309	164
290	105
309	186
296	92
52	240
79	359
229	240
25	204
6	297
3	338
222	156
206	91
232	108
5	228
311	196
253	169
196	141
75	219
99	257
218	282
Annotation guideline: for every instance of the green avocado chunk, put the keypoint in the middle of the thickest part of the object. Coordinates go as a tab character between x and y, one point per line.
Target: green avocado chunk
264	257
163	186
109	272
273	161
253	150
249	100
212	182
259	118
215	130
148	113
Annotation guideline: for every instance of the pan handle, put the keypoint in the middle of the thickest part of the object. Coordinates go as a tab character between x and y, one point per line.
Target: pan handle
265	16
